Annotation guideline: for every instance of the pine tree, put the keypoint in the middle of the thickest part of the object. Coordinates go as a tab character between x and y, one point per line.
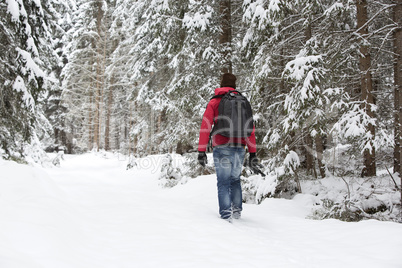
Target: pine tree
84	94
25	37
171	55
291	65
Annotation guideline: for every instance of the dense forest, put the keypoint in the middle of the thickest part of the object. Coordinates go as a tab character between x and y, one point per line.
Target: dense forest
323	76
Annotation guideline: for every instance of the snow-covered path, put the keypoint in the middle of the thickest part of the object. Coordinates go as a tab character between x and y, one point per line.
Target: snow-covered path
91	212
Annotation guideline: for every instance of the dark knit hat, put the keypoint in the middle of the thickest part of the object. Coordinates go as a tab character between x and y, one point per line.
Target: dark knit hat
228	80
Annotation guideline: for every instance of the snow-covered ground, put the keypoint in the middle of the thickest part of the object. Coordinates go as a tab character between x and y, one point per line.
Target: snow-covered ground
92	212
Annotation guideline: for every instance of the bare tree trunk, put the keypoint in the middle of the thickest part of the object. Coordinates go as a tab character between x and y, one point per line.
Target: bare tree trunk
366	85
397	12
109	99
308	147
108	115
282	86
102	78
320	151
117	133
97	117
56	135
128	128
97	77
397	132
225	39
90	118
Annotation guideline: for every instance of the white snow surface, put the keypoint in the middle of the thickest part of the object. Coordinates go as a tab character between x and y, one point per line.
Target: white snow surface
92	212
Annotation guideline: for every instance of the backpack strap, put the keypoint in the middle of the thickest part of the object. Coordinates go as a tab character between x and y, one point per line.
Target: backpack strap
218	96
221	95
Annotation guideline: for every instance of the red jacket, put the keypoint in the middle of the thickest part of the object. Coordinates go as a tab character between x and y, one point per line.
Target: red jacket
209	119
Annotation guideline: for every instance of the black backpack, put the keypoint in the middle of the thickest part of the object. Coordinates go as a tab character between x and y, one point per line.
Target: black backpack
235	117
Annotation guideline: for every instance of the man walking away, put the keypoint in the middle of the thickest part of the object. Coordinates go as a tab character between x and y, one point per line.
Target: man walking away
228	150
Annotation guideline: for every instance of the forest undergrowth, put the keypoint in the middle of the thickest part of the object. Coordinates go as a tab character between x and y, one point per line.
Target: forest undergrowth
343	194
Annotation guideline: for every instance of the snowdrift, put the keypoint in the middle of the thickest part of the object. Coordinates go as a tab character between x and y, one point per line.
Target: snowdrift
92	212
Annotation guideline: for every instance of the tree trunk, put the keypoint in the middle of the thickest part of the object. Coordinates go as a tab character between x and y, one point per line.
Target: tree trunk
117	133
308	148
225	39
90	120
397	132
398	85
366	85
309	141
100	62
320	151
97	117
108	115
56	135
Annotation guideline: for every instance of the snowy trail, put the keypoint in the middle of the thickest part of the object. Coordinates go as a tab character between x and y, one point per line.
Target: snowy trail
91	212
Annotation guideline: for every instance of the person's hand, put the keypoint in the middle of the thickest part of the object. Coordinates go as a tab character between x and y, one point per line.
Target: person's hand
202	158
253	161
254	164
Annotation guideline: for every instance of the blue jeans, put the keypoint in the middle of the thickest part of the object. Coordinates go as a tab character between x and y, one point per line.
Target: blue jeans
228	165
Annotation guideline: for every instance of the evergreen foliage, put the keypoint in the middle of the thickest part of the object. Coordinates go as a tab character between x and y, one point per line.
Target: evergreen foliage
27	59
135	77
